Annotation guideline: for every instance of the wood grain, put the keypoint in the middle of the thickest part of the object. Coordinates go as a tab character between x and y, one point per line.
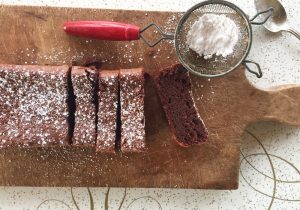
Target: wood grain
34	35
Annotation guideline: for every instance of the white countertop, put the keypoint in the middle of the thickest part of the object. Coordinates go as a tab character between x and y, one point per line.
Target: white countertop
279	57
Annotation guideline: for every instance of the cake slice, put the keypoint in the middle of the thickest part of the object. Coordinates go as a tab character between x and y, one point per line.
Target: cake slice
132	109
108	105
85	86
175	91
33	105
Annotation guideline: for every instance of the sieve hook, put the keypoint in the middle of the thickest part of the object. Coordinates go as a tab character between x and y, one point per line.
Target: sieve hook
163	35
259	73
271	9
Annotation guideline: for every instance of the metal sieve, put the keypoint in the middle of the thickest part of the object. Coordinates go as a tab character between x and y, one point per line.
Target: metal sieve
214	67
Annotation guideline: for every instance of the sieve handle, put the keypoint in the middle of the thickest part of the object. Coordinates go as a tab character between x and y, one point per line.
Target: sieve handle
258	74
104	30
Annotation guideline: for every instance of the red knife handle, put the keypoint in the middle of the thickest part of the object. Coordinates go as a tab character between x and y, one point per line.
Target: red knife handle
104	30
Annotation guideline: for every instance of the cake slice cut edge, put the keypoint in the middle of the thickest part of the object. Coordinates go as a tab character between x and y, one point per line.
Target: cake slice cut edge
174	89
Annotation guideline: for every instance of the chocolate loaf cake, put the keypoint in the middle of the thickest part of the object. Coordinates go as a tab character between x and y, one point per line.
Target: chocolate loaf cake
84	83
33	105
50	106
175	92
132	109
107	115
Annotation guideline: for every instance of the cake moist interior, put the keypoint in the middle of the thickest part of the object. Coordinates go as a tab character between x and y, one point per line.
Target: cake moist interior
174	88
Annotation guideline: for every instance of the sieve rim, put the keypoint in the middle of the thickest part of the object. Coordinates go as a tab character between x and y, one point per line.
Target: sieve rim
197	6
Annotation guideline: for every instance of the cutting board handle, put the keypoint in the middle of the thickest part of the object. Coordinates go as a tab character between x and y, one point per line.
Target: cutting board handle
284	105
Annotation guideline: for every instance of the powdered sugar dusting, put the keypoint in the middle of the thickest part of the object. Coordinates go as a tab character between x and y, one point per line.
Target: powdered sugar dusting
33	105
83	80
213	34
108	96
132	109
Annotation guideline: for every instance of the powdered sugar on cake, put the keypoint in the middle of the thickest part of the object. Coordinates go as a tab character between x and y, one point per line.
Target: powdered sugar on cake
108	97
212	35
37	103
84	84
33	105
132	109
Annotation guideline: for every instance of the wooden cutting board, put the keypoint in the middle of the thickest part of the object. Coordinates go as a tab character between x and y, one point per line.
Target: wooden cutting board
33	35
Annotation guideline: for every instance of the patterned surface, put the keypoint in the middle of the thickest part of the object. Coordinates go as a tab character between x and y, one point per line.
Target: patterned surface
270	168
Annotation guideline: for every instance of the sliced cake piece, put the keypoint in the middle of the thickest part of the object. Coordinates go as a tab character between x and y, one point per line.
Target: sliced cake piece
84	81
132	109
33	105
175	92
107	116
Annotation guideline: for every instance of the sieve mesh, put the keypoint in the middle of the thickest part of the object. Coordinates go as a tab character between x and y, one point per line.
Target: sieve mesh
217	65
